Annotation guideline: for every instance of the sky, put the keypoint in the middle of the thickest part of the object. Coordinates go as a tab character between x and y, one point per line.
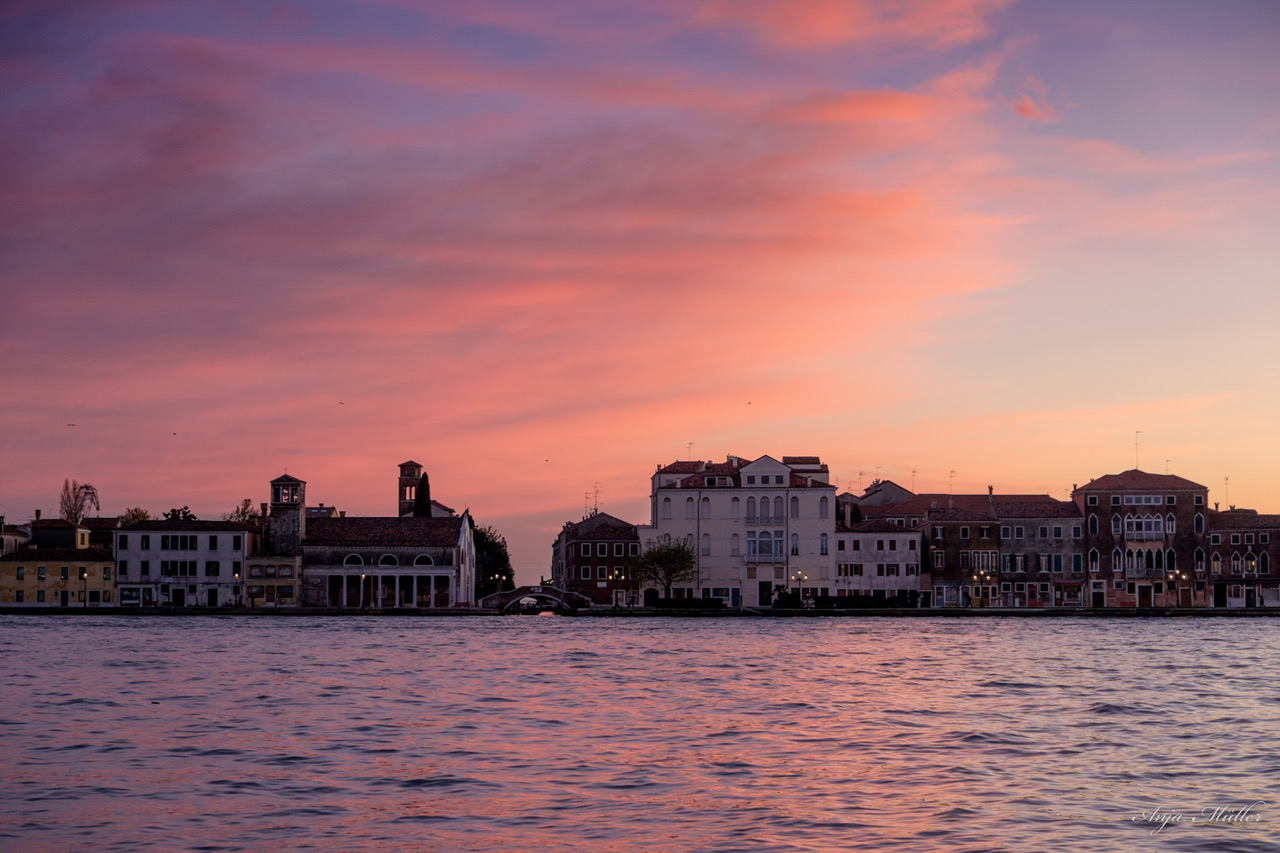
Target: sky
542	248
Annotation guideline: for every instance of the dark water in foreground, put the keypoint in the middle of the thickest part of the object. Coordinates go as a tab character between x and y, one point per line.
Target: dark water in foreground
528	733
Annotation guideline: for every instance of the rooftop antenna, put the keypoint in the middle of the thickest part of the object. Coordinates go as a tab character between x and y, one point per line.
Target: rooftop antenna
1136	433
950	480
913	479
860	473
1226	485
877	473
691	451
596	504
1166	466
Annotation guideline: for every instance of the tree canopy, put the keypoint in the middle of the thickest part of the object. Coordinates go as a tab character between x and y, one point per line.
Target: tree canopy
665	565
133	515
184	514
244	512
493	563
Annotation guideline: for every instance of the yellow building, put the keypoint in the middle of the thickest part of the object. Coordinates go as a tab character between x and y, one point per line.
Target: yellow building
58	577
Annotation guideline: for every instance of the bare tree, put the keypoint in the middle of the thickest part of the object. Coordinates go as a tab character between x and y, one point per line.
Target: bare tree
76	499
244	512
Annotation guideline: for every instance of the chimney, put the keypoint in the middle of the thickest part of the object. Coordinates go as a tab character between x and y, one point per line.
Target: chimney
263	509
1215	506
1215	509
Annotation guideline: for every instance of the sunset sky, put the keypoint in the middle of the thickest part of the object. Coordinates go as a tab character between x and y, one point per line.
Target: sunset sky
542	246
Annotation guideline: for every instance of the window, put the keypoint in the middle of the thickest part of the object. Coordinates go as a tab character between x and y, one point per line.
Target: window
823	548
964	533
586	573
213	543
1263	538
823	507
735	508
937	532
351	560
40	573
1076	561
777	479
879	544
893	544
1115	525
212	569
602	549
1093	525
688	508
235	543
1235	538
1076	532
1019	532
1215	539
146	542
666	507
795	544
22	572
751	479
1057	532
83	573
1006	532
839	544
124	567
1115	500
706	507
939	559
602	573
388	560
618	549
1044	532
634	550
420	560
124	541
144	568
586	549
1248	539
777	508
857	544
65	575
1215	562
1199	524
1057	563
1092	500
706	544
735	545
911	544
984	532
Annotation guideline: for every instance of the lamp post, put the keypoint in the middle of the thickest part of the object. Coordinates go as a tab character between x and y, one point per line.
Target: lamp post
361	607
235	590
799	579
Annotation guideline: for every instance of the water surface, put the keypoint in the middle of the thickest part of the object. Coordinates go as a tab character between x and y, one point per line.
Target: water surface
527	733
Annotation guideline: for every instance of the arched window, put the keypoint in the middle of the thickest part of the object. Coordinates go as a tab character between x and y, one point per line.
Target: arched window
1093	560
1264	563
1159	561
1115	524
734	544
765	543
795	507
688	508
795	544
388	560
706	507
1215	563
1235	564
735	508
751	507
1199	560
777	507
423	560
1093	525
824	507
1117	561
353	560
1171	560
688	541
666	507
1199	523
706	544
822	543
1250	563
1170	525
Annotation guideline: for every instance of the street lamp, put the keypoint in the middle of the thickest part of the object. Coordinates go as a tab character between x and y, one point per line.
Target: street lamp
236	588
799	578
362	577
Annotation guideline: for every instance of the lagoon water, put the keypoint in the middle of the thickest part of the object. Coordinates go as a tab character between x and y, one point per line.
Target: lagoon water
526	733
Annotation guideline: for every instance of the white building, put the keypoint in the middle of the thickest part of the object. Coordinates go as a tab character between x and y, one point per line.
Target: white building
182	563
880	561
757	527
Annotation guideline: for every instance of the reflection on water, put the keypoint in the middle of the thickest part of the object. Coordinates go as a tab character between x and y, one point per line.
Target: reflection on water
235	733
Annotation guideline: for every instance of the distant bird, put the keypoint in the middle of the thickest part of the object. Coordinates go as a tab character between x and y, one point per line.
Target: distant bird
340	403
70	424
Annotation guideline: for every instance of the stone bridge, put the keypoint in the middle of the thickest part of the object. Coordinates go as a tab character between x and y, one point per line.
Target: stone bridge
559	598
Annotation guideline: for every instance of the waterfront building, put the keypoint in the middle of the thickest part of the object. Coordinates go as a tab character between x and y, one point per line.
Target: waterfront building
176	563
594	557
754	525
49	572
1146	538
327	559
881	563
1041	545
12	537
1242	554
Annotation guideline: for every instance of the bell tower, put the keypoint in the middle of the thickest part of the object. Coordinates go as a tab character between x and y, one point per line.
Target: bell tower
287	521
410	476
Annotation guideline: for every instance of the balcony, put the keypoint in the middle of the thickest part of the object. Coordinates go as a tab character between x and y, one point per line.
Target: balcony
766	521
765	558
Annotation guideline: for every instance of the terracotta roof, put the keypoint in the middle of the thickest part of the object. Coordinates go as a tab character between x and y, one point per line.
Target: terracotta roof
687	467
190	526
410	462
1135	479
101	522
800	481
600	520
60	555
1040	508
958	514
921	505
1243	519
801	460
56	524
383	531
